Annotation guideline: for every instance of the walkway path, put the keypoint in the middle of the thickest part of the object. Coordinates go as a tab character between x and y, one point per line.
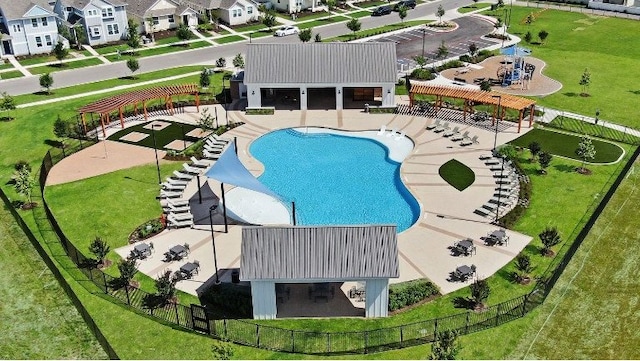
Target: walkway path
95	53
199	35
17	65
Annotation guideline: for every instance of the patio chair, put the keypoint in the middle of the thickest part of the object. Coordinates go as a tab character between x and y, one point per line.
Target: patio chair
177	182
181	216
177	202
177	209
214	144
400	136
458	137
164	194
485	156
191	170
210	155
213	149
173	187
434	125
199	163
218	138
182	175
441	128
391	133
466	142
174	222
451	132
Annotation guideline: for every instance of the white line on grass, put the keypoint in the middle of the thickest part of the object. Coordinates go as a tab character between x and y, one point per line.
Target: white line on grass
566	288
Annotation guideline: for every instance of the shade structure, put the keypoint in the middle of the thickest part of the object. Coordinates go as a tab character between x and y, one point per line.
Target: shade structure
515	50
229	170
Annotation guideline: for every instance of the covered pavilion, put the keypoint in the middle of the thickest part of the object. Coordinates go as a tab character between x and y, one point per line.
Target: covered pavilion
105	106
472	97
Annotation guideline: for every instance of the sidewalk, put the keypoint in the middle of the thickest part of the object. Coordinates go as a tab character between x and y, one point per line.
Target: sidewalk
95	53
576	9
200	36
17	65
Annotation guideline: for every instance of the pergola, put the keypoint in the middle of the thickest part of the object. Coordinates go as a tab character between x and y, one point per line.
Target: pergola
105	106
472	97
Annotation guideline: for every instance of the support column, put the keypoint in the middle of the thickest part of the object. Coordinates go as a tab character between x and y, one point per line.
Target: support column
263	297
104	132
121	117
339	95
531	113
520	115
197	102
303	98
84	122
411	99
377	297
144	107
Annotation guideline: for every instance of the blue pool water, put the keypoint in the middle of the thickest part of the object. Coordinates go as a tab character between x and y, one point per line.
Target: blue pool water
335	179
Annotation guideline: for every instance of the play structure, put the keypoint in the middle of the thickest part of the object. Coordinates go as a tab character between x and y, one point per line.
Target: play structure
514	70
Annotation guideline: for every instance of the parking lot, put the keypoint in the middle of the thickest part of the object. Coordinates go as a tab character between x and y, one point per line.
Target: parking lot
410	43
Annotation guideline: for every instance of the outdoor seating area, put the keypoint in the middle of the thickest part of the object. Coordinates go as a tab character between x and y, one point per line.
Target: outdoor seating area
463	273
188	270
464	247
141	251
176	253
498	237
507	190
453	134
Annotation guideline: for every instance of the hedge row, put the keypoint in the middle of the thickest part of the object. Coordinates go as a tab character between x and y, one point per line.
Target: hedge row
233	299
411	292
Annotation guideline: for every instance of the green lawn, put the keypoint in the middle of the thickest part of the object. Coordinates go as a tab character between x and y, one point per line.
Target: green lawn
168	40
160	50
5	65
112	49
38	59
323	21
11	74
370	4
565	145
473	7
66	66
376	31
250	27
594	130
360	14
307	16
38	319
229	39
458	175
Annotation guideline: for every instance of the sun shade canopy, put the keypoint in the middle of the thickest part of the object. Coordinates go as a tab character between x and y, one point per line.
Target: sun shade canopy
228	169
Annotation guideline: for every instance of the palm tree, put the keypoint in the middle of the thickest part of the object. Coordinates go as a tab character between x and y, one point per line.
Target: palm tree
524	268
549	238
128	269
100	249
479	293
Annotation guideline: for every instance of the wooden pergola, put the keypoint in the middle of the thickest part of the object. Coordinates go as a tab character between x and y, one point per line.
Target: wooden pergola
473	97
105	106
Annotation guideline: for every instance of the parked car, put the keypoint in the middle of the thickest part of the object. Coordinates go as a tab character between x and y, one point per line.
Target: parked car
381	10
409	4
287	30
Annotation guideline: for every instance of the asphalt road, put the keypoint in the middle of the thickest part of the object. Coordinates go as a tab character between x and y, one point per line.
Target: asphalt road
207	55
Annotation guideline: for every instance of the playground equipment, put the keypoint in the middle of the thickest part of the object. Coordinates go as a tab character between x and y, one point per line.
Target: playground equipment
514	69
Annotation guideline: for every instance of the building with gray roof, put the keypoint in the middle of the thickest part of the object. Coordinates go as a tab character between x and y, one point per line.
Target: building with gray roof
317	255
103	21
320	75
28	27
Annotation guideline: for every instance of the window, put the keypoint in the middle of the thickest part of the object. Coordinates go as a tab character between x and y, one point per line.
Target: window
69	9
44	22
171	19
239	12
107	12
16	28
47	39
92	12
155	20
34	23
95	31
113	29
249	10
235	13
38	41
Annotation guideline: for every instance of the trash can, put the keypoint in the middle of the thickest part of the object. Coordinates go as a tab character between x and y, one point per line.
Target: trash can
235	276
366	108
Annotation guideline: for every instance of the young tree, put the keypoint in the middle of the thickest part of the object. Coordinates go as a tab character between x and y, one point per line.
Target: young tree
528	37
473	51
268	19
165	286
80	35
184	33
585	80
60	51
221	62
440	13
549	238
498	24
152	27
128	269
331	4
61	129
133	38
534	148
542	34
402	12
354	25
485	85
205	122
46	81
100	249
305	35
7	103
586	151
523	268
318	38
222	350
205	78
24	183
544	159
479	292
442	50
238	61
420	60
133	65
445	346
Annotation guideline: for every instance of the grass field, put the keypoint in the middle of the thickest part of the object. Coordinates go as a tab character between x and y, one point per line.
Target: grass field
11	74
565	145
228	39
594	130
359	14
473	7
458	175
376	31
66	66
38	319
174	48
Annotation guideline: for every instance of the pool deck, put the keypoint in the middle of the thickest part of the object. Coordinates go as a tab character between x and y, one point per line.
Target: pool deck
446	213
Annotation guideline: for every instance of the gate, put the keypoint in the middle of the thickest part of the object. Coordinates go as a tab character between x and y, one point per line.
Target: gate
199	319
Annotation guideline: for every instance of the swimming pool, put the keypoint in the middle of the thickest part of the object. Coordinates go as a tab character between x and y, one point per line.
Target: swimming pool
335	179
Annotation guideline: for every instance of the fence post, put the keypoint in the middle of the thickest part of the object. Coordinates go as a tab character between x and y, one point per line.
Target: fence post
175	305
224	323
401	335
328	342
257	335
498	314
293	342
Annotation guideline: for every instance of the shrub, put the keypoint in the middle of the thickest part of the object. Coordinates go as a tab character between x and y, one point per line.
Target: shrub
149	228
22	164
422	74
450	64
230	297
409	293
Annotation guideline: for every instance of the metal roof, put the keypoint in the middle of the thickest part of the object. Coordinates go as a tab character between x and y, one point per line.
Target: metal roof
479	96
13	10
319	252
369	63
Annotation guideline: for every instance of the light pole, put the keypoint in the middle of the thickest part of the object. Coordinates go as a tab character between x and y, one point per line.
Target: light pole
224	91
497	119
184	141
250	36
155	149
213	240
424	33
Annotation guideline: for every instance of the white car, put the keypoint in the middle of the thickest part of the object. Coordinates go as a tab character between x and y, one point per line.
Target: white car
287	30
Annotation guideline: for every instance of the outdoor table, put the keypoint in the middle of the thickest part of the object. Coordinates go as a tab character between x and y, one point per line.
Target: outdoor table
466	246
188	269
178	252
141	250
464	271
500	236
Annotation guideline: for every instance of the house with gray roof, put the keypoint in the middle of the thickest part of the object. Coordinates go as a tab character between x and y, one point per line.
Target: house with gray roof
103	21
158	15
320	75
28	27
231	12
295	6
273	256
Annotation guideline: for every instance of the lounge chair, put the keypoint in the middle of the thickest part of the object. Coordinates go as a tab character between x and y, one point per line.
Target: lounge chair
400	136
176	223
173	188
177	182
490	207
218	138
451	132
434	125
164	194
199	163
504	201
210	155
458	137
492	161
214	143
382	130
466	142
191	170
181	216
486	156
170	208
442	128
213	149
182	175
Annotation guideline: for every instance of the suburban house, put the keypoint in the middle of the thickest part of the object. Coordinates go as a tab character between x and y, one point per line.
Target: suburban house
159	15
320	75
28	27
103	21
623	6
293	6
232	12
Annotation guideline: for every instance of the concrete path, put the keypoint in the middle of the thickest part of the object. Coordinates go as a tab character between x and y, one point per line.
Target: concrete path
200	36
95	53
17	65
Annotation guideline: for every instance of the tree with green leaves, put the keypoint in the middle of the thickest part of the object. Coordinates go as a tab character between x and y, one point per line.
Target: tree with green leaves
524	267
485	86
205	78
100	249
165	286
7	103
549	238
508	151
440	13
238	61
61	129
420	60
318	38
60	51
473	52
585	81
586	151
544	159
402	12
331	4
184	33
534	148
498	23
221	62
133	38
80	35
480	292
222	350
46	81
528	37
445	346
23	184
152	28
500	3
542	34
133	65
443	51
354	25
269	19
205	122
128	269
305	35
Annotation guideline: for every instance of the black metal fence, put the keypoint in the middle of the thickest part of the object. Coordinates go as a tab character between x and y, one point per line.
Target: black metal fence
195	317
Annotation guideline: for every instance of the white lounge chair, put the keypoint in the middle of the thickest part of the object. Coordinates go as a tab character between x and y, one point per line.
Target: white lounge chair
182	175
191	170
176	223
485	157
170	208
451	132
214	143
164	194
458	137
492	161
181	216
210	155
213	149
466	142
177	182
442	128
173	187
200	163
434	125
400	136
382	130
218	138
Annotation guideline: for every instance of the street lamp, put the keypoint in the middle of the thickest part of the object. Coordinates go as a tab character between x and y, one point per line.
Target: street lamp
224	91
424	33
213	240
495	139
155	149
250	36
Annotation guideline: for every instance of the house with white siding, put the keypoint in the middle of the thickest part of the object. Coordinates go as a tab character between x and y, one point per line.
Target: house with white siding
293	6
159	15
231	12
103	21
28	27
